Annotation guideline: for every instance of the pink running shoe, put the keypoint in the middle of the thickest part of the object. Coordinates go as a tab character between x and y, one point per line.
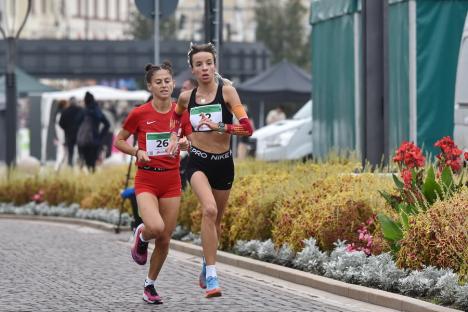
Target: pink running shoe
139	248
150	295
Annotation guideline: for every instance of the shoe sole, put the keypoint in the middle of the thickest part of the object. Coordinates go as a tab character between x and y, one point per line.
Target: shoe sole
133	249
136	260
213	293
145	299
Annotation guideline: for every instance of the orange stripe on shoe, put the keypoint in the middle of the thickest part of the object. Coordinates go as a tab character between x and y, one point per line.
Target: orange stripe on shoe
216	292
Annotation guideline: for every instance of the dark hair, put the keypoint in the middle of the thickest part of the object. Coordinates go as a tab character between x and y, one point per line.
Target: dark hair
204	47
89	100
150	69
62	104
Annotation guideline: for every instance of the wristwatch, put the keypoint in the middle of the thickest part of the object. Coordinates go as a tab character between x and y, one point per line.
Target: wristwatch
221	127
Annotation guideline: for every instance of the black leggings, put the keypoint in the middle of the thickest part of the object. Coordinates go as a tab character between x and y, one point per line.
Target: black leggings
218	168
90	155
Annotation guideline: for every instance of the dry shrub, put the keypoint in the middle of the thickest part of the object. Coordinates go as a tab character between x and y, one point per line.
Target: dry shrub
188	205
438	237
101	189
330	209
19	190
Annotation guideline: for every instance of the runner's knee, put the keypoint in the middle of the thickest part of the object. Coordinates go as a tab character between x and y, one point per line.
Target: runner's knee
163	241
210	211
156	229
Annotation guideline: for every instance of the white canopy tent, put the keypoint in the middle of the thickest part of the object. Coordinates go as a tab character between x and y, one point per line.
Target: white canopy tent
100	93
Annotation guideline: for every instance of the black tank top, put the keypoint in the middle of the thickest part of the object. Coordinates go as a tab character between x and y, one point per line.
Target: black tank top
226	115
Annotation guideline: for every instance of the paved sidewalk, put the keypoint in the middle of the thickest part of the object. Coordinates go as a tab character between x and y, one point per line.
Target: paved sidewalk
60	267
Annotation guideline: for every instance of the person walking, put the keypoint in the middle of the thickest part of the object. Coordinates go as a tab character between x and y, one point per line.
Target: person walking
61	154
90	134
70	120
210	169
157	179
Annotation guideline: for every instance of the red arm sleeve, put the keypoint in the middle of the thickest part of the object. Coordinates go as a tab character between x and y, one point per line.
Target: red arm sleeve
243	129
185	124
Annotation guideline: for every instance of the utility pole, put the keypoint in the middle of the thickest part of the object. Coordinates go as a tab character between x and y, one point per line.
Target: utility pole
10	113
375	81
214	25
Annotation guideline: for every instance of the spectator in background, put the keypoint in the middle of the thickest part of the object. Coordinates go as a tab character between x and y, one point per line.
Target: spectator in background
108	139
61	148
90	134
275	115
70	121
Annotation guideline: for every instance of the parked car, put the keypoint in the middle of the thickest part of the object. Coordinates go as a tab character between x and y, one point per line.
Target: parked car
285	139
460	131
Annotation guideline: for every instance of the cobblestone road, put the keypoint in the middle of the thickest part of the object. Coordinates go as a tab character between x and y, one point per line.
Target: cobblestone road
59	267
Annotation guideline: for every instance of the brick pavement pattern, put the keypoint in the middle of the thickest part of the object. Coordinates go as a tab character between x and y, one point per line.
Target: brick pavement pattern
60	267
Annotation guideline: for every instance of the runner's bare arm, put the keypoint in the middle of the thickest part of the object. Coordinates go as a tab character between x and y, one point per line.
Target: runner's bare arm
244	128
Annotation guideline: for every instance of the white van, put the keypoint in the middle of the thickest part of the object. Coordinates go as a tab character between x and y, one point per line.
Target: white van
285	139
460	131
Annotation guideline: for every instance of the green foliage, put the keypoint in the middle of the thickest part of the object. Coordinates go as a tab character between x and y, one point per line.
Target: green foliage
280	26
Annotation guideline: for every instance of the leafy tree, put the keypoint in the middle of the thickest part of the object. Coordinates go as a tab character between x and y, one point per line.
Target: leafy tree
142	27
281	28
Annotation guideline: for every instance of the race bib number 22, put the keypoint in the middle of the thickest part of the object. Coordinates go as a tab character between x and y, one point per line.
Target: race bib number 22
213	112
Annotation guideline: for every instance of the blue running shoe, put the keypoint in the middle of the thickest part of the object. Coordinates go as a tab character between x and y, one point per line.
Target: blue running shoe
212	287
202	277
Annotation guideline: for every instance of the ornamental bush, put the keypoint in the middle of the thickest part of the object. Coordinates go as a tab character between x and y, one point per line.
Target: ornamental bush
438	237
99	190
330	209
421	187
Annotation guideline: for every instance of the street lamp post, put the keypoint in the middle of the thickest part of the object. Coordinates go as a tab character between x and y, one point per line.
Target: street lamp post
10	36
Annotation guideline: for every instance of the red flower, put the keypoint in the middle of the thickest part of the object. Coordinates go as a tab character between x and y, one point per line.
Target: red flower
409	155
466	156
450	155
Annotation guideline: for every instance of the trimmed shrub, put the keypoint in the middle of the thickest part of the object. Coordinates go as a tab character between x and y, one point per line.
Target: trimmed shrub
330	209
438	237
101	189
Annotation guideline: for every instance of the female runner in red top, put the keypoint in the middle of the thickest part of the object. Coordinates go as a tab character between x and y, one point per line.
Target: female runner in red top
157	180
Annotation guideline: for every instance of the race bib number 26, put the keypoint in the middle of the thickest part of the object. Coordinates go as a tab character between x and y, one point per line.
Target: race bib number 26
157	143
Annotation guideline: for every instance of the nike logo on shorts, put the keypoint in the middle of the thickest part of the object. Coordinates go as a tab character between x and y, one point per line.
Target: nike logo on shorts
150	122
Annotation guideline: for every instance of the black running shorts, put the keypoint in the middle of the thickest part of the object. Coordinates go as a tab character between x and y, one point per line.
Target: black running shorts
218	168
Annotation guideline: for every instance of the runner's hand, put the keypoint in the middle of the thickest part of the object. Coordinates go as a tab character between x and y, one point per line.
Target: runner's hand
142	156
173	145
207	122
184	144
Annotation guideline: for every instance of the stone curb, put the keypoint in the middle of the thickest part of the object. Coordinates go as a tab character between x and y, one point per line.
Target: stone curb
357	292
